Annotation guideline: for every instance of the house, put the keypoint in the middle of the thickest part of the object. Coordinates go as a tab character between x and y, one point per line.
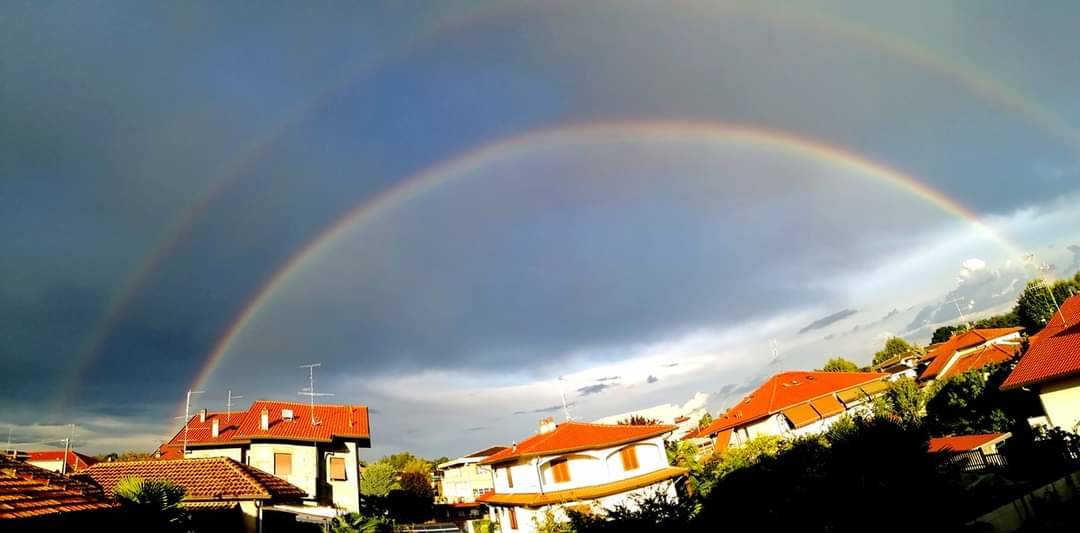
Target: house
37	499
792	404
463	479
54	460
218	490
1051	366
316	450
685	416
905	365
969	350
987	443
589	466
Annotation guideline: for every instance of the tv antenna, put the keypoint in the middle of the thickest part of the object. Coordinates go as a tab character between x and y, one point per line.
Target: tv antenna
565	408
309	391
956	302
228	406
774	349
187	417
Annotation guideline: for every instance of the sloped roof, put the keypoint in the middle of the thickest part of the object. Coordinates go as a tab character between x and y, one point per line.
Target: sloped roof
575	436
940	355
333	421
211	478
786	390
76	461
591	492
1054	354
964	443
988	355
28	491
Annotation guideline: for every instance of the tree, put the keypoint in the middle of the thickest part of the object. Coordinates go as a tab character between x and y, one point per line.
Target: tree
638	420
903	402
378	479
945	333
1035	306
705	420
893	347
839	364
974	403
152	505
358	523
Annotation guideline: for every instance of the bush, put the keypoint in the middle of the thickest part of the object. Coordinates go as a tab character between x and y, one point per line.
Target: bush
358	523
152	505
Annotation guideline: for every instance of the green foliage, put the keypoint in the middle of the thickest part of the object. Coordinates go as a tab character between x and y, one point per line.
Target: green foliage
483	525
749	454
705	420
358	523
638	420
904	402
657	512
548	523
945	333
152	505
893	347
1036	306
700	477
973	403
378	479
125	456
839	364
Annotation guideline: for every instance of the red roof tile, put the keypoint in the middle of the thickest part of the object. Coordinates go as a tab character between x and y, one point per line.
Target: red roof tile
28	491
1054	354
332	421
989	355
785	390
964	443
75	461
575	436
940	355
211	478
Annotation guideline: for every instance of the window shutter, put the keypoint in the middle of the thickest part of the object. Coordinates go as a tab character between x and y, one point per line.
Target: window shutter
283	464
629	458
513	518
560	471
337	469
509	478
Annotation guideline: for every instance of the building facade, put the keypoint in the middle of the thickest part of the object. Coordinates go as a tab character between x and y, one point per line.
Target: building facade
1051	366
969	350
577	465
317	450
464	479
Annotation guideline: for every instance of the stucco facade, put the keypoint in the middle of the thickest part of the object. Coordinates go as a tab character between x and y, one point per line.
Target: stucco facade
464	482
1061	401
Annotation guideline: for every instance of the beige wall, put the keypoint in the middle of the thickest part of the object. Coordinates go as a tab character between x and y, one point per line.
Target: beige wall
48	465
304	463
460	483
1061	401
345	494
250	509
587	468
236	454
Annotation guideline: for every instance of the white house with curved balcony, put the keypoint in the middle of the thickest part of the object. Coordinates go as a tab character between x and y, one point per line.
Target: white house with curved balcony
578	465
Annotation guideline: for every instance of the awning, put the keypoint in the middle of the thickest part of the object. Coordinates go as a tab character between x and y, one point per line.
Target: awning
852	395
801	415
875	387
827	406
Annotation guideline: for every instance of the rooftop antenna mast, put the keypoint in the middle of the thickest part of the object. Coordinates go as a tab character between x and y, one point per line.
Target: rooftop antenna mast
67	449
187	417
228	406
956	301
310	390
565	408
1030	258
774	348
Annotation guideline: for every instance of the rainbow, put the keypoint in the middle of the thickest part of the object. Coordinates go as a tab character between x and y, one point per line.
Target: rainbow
466	165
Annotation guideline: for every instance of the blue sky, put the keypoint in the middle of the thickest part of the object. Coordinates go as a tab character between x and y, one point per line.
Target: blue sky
214	142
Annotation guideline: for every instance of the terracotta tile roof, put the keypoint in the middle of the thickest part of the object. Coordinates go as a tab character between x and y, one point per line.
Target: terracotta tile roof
942	354
536	499
333	421
575	436
992	354
27	491
1054	354
75	461
786	390
964	443
212	478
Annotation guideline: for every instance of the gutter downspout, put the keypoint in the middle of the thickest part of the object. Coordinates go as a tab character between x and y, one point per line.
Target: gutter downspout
539	477
258	516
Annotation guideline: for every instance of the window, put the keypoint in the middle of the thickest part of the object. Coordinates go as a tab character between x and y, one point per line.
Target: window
337	469
560	471
629	458
513	518
509	478
282	464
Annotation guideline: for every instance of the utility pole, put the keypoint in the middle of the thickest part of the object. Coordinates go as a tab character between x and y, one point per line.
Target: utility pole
187	417
309	391
228	406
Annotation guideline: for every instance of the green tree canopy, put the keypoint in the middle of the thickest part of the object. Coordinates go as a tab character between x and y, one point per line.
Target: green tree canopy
638	420
893	347
152	505
705	420
378	479
1039	301
839	364
903	402
973	403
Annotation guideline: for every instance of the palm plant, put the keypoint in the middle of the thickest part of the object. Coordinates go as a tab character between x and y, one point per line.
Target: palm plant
153	505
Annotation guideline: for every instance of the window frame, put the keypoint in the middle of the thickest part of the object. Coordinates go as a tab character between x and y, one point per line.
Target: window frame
278	456
560	470
629	458
344	469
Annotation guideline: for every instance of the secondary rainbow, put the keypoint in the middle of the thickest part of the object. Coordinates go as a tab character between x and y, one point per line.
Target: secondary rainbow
464	166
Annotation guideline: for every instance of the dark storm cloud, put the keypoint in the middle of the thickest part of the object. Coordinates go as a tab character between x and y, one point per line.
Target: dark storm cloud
671	365
652	379
593	389
548	409
607	378
828	320
477	428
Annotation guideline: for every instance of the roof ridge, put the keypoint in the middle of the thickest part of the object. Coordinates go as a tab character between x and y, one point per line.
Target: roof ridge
160	461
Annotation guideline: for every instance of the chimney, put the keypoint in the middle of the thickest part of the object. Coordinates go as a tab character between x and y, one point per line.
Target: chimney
547	425
202	416
264	421
350	410
214	428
